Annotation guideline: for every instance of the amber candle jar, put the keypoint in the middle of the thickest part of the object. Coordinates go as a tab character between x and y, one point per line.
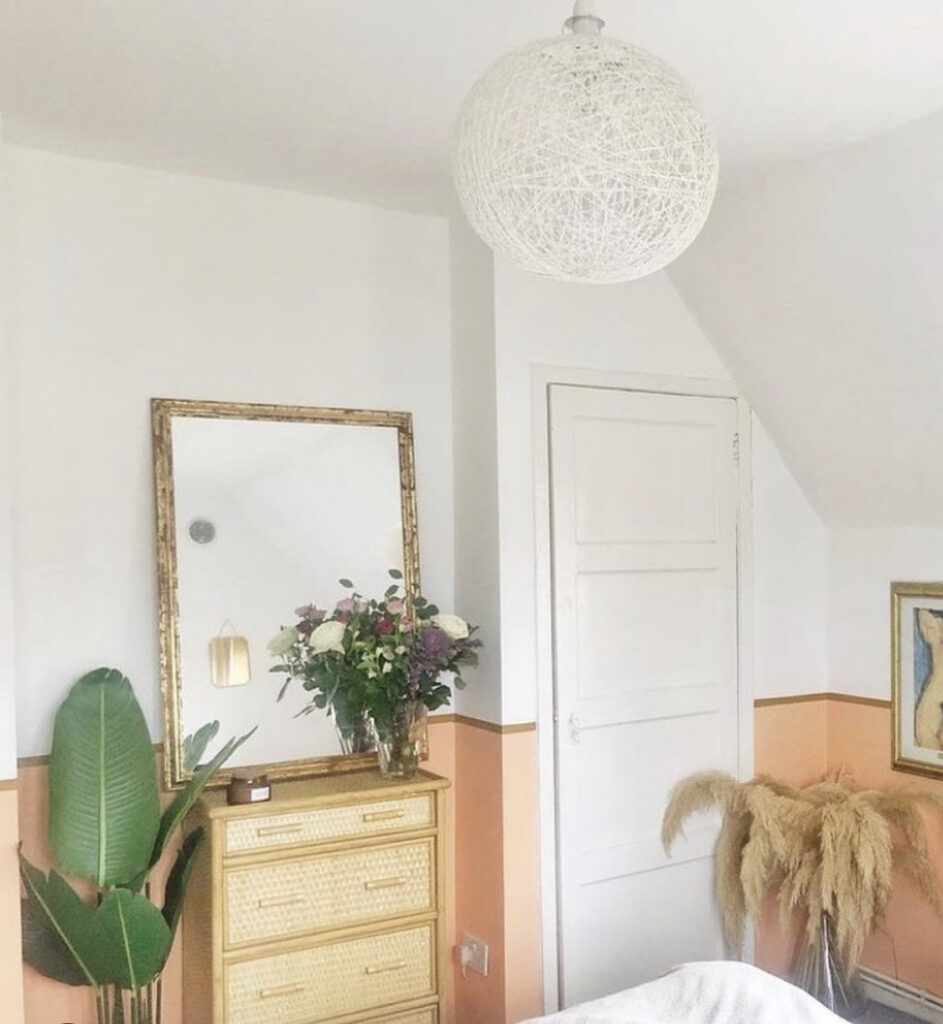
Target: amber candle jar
248	788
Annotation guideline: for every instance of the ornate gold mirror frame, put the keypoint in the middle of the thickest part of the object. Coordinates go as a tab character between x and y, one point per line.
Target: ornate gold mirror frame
163	413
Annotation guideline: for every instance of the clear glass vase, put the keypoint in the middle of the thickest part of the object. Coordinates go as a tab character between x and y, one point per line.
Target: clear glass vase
821	972
400	745
356	736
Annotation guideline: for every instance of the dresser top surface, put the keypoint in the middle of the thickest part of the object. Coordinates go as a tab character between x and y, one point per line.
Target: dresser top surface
323	789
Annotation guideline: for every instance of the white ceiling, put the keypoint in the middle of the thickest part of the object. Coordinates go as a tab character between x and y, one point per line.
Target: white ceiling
357	99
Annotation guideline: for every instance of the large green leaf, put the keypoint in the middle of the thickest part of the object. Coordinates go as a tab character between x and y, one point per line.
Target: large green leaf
45	951
62	937
194	746
183	802
176	887
103	799
136	936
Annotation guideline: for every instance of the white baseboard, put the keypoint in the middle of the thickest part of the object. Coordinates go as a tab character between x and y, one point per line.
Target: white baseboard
898	996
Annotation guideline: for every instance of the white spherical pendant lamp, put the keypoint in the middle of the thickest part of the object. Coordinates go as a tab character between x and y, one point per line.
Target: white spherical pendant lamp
584	158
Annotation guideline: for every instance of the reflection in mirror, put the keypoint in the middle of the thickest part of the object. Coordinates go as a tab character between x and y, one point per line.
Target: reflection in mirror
262	509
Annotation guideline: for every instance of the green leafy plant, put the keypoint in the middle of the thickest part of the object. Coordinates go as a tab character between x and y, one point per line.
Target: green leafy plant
106	826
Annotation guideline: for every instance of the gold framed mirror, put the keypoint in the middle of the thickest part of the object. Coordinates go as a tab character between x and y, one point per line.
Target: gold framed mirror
262	509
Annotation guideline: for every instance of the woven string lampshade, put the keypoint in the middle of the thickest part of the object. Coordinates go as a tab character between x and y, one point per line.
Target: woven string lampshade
584	158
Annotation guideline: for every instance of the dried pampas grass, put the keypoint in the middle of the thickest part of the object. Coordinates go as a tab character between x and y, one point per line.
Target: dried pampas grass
829	848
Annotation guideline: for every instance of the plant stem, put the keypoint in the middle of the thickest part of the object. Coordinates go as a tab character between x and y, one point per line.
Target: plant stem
118	1004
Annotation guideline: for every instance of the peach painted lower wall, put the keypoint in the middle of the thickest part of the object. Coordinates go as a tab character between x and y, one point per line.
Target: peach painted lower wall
11	974
47	1000
523	997
910	945
799	740
790	743
490	832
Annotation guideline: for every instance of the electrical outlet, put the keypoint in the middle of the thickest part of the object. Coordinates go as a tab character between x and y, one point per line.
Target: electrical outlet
473	954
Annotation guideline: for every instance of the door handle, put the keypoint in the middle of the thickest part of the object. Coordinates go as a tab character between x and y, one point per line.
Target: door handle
574	723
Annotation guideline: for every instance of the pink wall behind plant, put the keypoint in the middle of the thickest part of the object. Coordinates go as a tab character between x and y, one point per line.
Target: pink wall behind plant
799	741
491	835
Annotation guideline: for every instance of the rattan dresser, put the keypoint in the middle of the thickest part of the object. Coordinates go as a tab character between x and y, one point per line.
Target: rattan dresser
325	904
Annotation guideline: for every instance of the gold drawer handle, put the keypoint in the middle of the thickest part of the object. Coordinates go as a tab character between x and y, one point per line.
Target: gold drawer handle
278	830
280	990
397	965
384	883
280	901
384	815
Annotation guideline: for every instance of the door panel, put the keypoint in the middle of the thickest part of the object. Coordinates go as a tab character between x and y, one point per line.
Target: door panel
644	548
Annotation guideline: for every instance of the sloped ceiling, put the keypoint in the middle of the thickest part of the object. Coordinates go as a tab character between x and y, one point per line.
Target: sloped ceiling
821	285
357	99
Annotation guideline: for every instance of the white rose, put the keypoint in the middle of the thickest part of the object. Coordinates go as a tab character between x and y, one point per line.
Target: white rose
453	627
329	636
284	642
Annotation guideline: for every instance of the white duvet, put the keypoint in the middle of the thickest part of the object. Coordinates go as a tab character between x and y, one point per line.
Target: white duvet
717	992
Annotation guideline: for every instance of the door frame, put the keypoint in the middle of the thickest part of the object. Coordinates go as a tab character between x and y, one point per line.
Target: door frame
542	377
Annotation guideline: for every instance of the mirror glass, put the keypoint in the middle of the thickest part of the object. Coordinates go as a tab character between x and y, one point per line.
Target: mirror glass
261	510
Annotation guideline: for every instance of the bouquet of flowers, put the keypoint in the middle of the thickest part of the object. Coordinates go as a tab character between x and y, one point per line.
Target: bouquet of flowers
382	658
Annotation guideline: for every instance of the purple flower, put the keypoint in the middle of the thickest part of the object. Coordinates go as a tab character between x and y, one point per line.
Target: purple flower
434	644
310	612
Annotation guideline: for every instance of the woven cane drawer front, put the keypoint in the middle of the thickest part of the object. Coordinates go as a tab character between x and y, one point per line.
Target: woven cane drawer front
333	980
269	901
427	1015
324	824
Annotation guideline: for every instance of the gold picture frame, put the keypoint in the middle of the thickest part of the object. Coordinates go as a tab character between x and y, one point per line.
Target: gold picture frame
917	677
163	413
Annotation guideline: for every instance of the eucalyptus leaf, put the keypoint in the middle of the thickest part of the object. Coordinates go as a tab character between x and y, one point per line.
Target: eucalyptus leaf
345	583
396	574
103	801
137	937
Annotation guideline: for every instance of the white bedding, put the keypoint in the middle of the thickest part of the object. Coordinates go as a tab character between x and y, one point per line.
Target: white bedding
717	992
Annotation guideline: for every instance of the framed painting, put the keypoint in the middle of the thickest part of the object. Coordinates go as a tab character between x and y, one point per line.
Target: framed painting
917	676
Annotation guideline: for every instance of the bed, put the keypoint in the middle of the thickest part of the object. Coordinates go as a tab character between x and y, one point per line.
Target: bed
716	992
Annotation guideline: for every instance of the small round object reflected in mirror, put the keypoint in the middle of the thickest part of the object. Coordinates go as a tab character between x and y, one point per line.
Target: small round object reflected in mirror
201	531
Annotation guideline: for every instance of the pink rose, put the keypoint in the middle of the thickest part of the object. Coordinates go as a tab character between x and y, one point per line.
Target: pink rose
395	606
345	605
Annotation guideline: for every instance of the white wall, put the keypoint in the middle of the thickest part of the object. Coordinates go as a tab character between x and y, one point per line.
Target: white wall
790	553
477	556
862	565
7	609
641	327
132	283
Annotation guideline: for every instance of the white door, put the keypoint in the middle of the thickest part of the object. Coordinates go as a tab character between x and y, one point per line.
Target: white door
644	547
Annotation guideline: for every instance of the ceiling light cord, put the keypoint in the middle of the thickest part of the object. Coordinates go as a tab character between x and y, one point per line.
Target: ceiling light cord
585	21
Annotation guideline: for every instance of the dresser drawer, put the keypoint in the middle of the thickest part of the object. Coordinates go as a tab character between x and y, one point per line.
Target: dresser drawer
327	824
427	1015
328	890
337	979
